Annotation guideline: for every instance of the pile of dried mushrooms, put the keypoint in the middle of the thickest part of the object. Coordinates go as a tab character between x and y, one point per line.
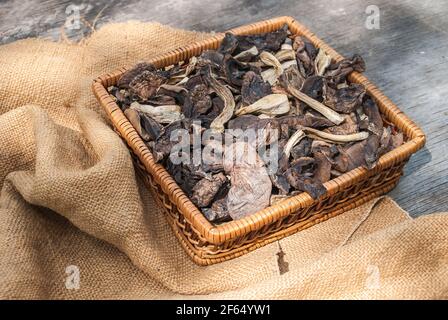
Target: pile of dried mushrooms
325	125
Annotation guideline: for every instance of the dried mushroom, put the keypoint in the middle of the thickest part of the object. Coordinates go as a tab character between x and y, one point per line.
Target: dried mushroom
205	190
260	119
253	88
146	83
273	104
344	100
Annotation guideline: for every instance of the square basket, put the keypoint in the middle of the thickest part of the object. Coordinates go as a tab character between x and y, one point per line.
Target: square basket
206	243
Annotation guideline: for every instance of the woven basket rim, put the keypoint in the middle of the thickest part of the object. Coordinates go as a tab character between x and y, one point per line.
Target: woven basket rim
217	234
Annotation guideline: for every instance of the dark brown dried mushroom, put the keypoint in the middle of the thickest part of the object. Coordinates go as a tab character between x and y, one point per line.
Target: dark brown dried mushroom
205	190
344	100
376	128
217	213
351	157
200	99
339	71
146	83
234	70
161	148
130	74
304	56
228	44
270	41
300	174
302	149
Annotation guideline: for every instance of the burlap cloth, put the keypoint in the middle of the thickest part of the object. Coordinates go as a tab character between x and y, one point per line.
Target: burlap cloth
69	197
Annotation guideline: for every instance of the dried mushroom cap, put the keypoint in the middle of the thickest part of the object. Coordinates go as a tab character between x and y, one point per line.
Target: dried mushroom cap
205	190
302	149
130	74
218	212
372	150
339	71
330	114
145	85
349	126
291	77
152	127
228	44
344	100
247	55
307	120
234	70
301	182
254	88
305	54
250	185
313	87
270	41
200	99
210	58
163	145
322	172
351	157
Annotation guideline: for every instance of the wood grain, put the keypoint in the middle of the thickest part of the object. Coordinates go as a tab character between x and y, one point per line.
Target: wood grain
407	57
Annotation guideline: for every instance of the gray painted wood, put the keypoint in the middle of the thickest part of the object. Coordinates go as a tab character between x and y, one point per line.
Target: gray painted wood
407	57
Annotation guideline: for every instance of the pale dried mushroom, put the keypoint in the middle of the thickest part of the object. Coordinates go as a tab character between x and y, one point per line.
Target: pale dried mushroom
162	114
302	112
272	105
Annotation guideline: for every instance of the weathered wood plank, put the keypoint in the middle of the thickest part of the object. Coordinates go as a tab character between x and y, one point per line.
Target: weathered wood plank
407	57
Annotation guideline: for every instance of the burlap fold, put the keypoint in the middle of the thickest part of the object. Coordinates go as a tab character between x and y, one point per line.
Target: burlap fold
70	200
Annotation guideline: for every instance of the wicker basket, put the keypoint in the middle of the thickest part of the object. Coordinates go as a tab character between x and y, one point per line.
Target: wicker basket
208	244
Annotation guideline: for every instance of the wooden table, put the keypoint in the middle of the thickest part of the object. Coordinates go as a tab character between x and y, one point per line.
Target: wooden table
407	57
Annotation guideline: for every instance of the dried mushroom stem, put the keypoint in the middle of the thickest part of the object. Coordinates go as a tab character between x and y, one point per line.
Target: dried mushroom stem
330	114
293	140
273	104
252	52
337	138
229	105
322	62
270	60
